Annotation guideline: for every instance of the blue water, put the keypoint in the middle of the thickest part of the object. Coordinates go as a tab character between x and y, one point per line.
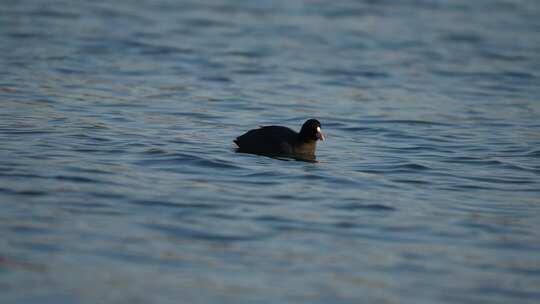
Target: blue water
119	182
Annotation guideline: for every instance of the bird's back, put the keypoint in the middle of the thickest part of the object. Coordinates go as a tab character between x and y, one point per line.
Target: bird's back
268	140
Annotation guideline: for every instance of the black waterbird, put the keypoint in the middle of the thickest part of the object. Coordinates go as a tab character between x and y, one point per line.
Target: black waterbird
279	141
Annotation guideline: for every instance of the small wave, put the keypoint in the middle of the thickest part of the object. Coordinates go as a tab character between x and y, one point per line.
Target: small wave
26	131
359	129
168	204
206	23
23	192
355	73
397	168
535	154
415	149
472	161
157	151
412	181
464	38
467	187
221	79
108	195
163	50
246	54
490	54
215	163
272	219
90	137
247	71
196	234
403	121
52	13
78	179
32	193
519	75
504	180
359	206
412	167
7	263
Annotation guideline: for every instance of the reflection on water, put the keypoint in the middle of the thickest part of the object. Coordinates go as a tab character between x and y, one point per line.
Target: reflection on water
299	157
119	179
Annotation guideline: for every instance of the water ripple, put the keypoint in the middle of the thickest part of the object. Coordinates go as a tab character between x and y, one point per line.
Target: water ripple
201	235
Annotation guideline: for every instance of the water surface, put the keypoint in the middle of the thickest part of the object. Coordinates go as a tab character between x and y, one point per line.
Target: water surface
119	181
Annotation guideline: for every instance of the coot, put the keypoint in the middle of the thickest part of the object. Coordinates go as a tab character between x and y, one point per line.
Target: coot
282	141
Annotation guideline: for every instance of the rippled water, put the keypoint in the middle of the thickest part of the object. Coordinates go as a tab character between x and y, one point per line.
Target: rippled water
119	182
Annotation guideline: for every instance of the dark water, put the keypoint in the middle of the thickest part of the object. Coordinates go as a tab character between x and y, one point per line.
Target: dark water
119	182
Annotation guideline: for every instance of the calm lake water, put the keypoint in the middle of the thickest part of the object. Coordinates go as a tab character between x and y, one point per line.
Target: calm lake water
119	182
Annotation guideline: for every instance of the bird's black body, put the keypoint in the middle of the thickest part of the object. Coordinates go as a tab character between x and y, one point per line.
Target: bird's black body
282	141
